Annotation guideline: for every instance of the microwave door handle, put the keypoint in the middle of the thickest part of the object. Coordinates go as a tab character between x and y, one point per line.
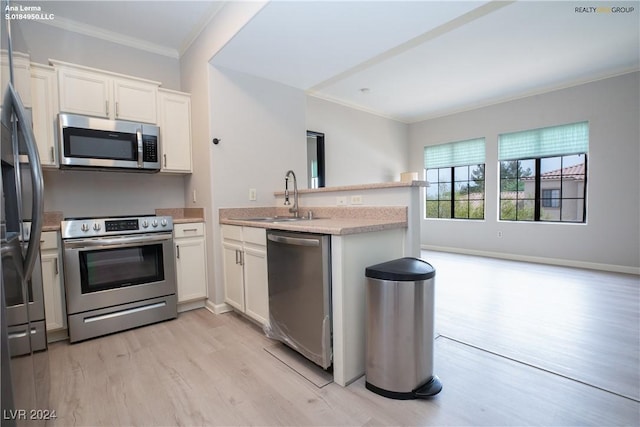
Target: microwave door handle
13	104
140	152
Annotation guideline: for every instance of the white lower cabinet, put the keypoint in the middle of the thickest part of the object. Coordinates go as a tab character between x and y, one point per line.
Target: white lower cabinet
245	271
53	283
191	265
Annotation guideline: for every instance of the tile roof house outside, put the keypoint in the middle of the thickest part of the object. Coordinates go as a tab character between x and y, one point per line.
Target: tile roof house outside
555	207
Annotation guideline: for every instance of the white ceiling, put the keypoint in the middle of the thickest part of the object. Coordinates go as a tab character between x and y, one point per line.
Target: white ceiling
418	59
158	26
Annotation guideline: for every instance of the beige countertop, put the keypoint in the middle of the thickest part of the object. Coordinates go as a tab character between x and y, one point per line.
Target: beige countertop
360	187
327	220
183	215
52	220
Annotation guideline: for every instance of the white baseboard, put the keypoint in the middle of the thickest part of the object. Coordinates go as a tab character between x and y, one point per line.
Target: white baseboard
190	305
217	308
538	260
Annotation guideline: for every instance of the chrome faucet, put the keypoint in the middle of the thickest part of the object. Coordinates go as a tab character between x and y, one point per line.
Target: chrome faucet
294	208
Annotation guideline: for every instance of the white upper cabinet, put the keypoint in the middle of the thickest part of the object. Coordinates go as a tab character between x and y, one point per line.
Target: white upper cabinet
44	92
174	119
107	95
135	100
21	75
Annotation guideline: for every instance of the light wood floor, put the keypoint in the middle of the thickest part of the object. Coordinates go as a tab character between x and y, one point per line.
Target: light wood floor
203	369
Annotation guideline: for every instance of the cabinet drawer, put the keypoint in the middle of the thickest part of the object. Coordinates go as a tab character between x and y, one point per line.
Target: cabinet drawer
233	232
257	236
188	230
48	240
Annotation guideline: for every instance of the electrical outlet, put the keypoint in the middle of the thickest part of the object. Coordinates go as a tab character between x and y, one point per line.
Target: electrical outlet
499	234
341	201
356	200
253	194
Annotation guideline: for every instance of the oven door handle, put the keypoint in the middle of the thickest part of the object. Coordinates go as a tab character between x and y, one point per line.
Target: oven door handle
116	242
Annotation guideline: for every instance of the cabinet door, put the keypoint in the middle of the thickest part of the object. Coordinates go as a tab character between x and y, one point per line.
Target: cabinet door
256	283
191	269
233	276
174	118
44	93
21	75
52	285
84	92
136	101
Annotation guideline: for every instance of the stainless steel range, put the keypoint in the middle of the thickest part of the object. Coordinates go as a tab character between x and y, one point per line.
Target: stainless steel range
119	273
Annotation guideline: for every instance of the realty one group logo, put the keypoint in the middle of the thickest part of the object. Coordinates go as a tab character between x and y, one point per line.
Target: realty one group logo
605	9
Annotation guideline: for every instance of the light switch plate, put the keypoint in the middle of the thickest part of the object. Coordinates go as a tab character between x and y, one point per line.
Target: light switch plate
253	194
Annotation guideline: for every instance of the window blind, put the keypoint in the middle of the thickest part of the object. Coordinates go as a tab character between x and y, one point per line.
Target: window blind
546	142
460	153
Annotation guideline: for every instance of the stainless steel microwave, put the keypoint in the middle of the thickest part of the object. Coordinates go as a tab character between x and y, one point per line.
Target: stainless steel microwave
92	143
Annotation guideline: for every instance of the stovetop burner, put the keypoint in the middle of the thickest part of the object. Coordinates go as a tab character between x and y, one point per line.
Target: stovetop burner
72	228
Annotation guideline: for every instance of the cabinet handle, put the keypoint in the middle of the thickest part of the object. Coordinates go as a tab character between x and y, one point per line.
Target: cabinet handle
117	104
106	107
178	251
237	257
241	257
56	265
51	152
165	160
189	230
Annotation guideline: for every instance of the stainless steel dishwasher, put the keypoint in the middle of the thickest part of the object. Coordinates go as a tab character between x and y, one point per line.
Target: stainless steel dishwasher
299	269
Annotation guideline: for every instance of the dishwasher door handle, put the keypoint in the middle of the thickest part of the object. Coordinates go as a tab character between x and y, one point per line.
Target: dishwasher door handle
297	241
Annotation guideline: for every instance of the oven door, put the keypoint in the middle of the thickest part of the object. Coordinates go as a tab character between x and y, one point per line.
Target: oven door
104	272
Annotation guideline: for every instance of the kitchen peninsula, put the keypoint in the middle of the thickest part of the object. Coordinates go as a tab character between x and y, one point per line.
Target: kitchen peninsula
384	227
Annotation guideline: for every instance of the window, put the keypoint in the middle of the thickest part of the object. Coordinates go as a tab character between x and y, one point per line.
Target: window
543	174
455	172
551	198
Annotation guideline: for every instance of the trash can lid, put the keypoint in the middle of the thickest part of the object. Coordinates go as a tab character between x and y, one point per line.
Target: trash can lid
401	270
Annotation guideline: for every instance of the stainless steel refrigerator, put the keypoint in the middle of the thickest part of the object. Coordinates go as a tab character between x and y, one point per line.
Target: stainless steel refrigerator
23	340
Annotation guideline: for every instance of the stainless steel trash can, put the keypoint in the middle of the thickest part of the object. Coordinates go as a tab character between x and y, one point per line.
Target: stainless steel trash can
400	333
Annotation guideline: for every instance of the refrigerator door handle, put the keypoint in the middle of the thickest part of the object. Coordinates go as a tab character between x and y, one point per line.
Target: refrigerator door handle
13	104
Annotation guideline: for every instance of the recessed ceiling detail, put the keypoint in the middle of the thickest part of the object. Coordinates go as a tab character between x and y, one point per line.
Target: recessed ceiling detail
432	58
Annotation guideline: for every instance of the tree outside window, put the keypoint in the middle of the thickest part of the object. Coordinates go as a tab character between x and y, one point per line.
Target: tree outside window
456	175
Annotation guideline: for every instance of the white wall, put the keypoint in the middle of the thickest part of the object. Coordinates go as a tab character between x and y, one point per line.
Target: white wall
611	237
46	42
262	127
360	147
89	193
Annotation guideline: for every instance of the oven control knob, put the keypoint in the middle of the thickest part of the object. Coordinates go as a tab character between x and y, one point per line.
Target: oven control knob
84	227
145	224
96	227
163	223
154	223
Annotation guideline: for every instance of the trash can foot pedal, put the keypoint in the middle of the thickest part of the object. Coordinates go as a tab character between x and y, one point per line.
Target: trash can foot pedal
428	389
431	388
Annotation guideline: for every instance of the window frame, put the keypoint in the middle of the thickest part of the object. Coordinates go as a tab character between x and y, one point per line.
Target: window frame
538	200
453	200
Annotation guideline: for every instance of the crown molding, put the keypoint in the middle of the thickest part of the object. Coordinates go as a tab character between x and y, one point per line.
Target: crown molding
110	36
